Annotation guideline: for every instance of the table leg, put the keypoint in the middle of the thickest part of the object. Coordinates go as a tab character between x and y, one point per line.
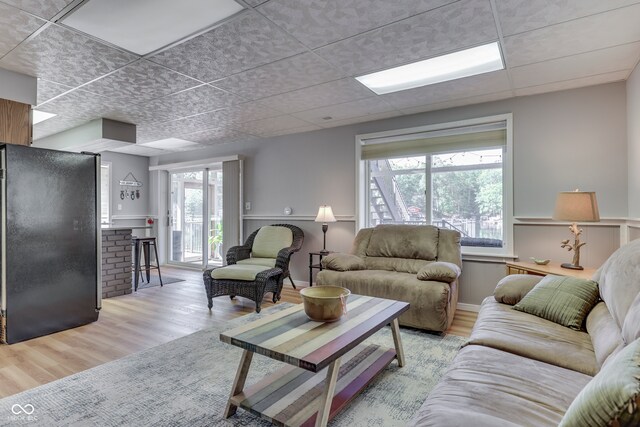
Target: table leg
238	382
395	330
136	265
327	397
310	270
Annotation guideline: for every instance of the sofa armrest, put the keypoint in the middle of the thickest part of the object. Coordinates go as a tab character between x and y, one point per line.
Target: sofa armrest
439	271
511	289
343	262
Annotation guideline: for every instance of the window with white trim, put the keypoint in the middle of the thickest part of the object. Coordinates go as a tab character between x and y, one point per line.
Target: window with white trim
454	175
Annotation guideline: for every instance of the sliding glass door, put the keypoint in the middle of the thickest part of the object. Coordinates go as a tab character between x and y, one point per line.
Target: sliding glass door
195	217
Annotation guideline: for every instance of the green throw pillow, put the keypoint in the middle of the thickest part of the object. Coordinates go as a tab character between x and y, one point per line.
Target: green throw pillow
560	299
612	396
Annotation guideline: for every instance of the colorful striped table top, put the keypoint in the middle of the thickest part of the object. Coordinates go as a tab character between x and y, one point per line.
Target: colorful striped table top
291	337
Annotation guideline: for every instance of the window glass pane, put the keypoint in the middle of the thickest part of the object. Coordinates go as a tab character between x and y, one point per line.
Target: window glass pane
467	195
105	196
397	191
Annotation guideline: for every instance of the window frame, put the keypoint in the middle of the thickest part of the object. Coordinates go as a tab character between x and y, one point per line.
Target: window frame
362	176
108	165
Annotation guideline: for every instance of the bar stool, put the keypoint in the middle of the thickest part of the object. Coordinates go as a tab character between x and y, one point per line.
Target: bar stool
143	244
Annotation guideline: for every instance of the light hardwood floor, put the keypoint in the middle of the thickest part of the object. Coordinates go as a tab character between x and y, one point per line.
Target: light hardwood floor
131	323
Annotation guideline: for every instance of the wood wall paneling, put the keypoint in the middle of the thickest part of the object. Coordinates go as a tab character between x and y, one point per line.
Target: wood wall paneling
15	122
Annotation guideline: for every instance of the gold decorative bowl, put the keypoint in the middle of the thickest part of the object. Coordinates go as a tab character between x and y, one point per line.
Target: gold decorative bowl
325	303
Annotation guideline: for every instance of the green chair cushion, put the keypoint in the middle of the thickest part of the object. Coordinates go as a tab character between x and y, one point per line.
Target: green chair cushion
270	240
612	396
266	262
238	272
560	299
440	272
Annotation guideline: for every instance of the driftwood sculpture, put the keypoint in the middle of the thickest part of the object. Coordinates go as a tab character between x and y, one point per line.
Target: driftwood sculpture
575	247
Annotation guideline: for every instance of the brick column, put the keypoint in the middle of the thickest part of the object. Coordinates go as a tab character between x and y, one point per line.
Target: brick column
116	263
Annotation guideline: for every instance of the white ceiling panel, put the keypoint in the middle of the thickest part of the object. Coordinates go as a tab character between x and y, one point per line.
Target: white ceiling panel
141	81
279	77
268	126
255	3
15	26
517	16
48	90
290	131
55	125
463	24
577	66
317	23
140	150
496	96
245	42
218	136
62	56
44	8
600	31
573	84
80	104
321	95
497	81
347	110
361	119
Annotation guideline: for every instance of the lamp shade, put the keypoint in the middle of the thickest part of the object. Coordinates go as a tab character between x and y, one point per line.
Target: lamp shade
576	206
325	214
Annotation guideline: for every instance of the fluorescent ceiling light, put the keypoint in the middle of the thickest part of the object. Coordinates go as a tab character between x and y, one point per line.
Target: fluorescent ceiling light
465	63
143	26
170	144
41	116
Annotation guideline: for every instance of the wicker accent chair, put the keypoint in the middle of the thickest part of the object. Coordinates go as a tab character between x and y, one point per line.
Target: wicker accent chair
257	267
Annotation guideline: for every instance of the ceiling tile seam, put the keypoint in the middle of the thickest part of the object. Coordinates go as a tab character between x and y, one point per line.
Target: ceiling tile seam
369	30
574	54
379	98
95	39
574	19
576	78
498	25
195	34
30	37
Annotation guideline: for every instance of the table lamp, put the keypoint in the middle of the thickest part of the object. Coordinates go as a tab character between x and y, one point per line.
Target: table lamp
576	206
325	215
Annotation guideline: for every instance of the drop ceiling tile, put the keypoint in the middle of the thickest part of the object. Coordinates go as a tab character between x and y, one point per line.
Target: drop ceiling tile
317	23
602	61
347	110
79	105
48	90
274	124
218	136
255	3
460	102
459	25
62	56
15	26
44	8
245	42
279	77
573	84
334	92
186	103
482	84
362	119
139	82
570	38
140	150
517	16
291	131
246	112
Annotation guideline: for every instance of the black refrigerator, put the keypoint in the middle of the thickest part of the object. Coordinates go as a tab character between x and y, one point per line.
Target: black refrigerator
50	251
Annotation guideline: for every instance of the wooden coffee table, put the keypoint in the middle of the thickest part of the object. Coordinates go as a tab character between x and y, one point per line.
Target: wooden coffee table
300	394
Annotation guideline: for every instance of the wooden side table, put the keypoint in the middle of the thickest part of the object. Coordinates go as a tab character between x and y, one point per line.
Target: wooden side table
519	267
317	266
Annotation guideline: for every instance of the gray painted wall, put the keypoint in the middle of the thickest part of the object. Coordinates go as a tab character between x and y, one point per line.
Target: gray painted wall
633	135
562	140
121	165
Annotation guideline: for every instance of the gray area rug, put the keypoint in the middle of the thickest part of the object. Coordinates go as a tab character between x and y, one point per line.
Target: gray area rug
155	281
186	382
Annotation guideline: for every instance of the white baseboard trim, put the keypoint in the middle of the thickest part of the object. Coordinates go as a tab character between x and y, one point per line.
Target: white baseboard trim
468	307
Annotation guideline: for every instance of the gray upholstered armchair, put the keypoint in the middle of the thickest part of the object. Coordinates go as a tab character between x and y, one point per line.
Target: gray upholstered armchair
257	267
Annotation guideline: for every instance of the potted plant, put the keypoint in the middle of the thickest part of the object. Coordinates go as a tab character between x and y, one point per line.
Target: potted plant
215	240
